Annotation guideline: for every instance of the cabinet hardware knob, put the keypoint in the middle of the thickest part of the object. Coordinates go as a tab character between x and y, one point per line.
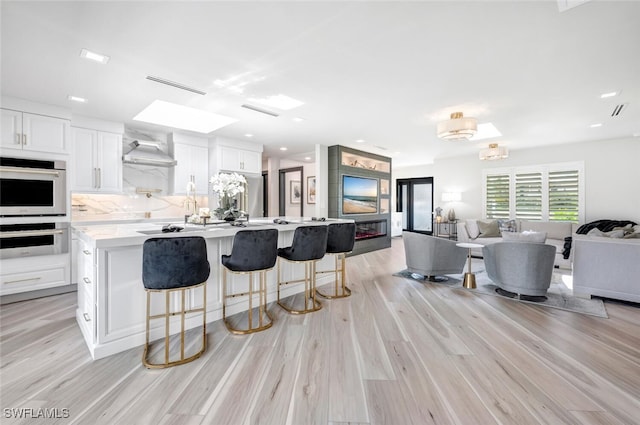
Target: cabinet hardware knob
86	280
86	317
24	139
86	252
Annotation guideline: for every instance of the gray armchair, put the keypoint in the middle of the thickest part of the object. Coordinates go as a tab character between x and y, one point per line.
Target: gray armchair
522	268
432	257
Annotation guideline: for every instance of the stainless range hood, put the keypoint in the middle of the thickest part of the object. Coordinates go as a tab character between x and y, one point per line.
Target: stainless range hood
147	153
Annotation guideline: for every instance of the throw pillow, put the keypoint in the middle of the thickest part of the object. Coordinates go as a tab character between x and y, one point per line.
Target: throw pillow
488	229
472	228
506	225
526	236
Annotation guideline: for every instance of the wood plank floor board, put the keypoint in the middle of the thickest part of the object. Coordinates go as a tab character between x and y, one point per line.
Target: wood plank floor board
421	387
397	351
347	402
490	368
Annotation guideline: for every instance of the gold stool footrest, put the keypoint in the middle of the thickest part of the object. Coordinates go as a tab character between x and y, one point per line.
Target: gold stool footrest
317	305
345	293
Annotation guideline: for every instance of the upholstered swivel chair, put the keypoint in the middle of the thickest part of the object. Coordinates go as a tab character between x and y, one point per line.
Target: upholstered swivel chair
432	257
173	265
340	240
253	251
520	268
309	245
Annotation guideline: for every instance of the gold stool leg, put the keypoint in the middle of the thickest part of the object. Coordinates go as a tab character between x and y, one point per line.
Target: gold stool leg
166	316
309	289
262	307
340	291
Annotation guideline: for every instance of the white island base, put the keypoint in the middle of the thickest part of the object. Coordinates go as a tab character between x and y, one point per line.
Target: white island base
111	297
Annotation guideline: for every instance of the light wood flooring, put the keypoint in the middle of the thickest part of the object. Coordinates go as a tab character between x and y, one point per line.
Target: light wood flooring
395	352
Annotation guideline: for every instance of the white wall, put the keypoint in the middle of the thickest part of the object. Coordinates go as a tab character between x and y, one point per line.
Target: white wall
611	168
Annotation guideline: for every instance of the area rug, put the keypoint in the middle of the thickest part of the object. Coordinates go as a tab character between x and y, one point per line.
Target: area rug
558	296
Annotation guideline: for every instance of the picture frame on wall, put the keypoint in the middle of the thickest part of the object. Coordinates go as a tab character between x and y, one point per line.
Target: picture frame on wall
311	190
295	192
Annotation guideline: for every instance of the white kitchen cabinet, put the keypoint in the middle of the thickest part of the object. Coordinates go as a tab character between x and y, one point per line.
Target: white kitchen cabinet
192	155
97	161
33	132
240	160
33	273
86	274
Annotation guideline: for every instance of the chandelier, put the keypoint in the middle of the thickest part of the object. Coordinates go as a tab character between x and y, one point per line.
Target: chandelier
493	152
457	128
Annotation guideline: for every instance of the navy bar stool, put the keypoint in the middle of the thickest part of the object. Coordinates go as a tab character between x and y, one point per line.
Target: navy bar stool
252	251
172	265
340	240
308	246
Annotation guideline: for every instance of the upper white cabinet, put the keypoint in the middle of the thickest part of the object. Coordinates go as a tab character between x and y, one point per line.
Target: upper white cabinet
240	160
192	154
97	161
33	132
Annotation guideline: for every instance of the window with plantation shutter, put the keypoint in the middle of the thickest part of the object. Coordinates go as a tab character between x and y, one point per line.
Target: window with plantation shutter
497	196
528	196
553	192
564	199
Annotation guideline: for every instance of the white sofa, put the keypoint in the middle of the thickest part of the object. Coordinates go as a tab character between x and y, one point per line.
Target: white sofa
556	231
606	267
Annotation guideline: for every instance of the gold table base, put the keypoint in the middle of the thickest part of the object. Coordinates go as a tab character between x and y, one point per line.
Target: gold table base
469	281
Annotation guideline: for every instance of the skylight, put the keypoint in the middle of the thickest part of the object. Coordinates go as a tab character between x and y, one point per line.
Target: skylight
88	54
182	117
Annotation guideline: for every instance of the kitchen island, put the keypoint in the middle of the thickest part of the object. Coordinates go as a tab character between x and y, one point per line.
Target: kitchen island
111	296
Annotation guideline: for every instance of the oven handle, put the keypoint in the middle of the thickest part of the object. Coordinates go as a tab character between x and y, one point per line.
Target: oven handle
30	171
29	233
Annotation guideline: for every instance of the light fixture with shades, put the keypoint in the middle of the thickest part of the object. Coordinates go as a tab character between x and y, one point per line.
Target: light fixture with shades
457	128
493	152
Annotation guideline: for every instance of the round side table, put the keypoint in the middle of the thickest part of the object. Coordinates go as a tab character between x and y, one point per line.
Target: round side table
469	281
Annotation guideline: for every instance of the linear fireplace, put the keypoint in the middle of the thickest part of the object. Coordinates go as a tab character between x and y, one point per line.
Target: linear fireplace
371	229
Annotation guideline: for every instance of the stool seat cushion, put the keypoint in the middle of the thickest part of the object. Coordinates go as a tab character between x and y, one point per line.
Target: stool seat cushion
309	243
341	237
179	262
252	250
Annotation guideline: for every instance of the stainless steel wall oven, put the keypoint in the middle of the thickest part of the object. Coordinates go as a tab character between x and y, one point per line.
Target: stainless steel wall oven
32	187
32	239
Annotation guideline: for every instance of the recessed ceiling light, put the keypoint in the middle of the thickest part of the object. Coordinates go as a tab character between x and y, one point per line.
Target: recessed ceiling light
307	158
609	94
486	131
183	117
599	124
359	141
298	119
77	99
283	148
88	54
279	101
248	135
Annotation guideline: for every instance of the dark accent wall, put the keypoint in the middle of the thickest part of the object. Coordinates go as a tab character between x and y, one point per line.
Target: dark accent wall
336	170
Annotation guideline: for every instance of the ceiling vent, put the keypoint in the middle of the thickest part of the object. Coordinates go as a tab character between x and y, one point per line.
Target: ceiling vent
264	111
174	84
618	109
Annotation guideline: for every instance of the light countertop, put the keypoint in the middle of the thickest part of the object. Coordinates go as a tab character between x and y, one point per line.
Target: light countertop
112	235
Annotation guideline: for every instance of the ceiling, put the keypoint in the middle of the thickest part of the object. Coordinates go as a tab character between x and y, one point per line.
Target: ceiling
382	72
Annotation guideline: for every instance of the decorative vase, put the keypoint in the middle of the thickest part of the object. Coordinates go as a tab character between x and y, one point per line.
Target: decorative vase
451	215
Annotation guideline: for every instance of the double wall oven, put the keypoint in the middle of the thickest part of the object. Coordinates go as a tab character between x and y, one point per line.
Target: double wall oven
33	198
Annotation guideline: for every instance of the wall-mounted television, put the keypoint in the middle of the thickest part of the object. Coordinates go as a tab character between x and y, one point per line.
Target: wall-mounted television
359	195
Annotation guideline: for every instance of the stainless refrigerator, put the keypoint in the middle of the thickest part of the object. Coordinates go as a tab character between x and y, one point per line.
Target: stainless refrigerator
251	201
